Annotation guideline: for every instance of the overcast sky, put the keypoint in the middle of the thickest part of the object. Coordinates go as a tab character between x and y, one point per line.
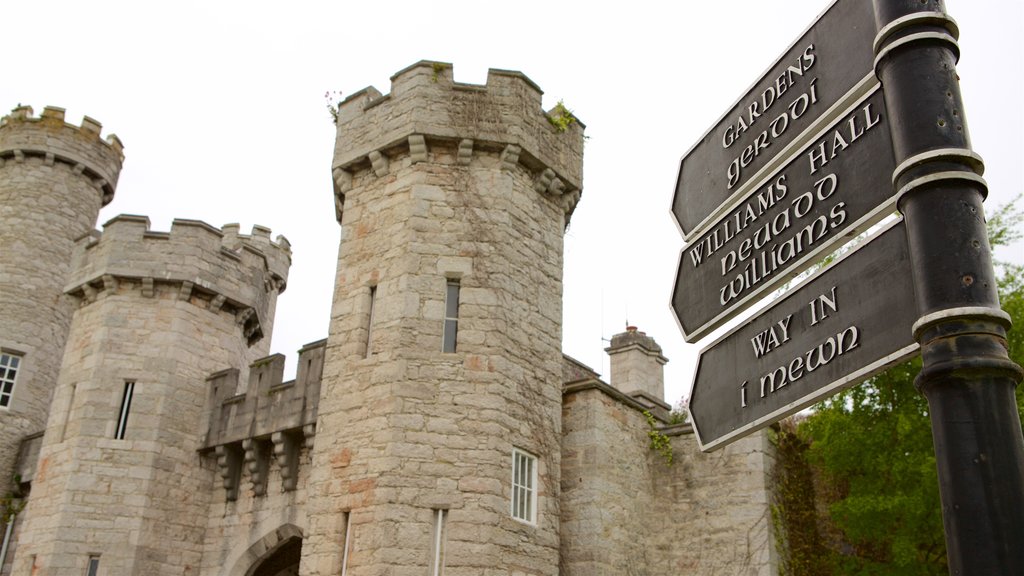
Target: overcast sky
221	109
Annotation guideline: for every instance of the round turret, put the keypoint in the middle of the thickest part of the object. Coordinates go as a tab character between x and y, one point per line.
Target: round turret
54	177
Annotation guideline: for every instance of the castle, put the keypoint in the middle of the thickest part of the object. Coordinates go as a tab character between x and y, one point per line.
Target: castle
438	429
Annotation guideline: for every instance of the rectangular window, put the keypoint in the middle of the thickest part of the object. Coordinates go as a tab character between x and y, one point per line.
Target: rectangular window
126	404
93	567
369	321
9	364
451	315
437	543
524	486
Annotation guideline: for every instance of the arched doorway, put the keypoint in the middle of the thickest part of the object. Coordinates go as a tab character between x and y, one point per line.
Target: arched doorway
276	554
283	561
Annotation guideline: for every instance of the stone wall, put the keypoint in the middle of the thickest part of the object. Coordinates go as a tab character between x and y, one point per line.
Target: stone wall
440	181
162	311
626	510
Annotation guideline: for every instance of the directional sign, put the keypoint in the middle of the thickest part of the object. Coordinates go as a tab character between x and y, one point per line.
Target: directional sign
837	186
828	66
849	322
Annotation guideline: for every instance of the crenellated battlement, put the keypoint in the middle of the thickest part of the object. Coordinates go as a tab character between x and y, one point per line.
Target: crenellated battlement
214	267
51	138
427	108
271	417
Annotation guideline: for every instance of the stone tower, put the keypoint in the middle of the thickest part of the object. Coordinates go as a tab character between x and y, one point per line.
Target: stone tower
54	177
441	397
119	482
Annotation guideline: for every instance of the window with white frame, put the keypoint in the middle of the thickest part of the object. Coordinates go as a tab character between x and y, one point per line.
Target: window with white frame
9	365
524	486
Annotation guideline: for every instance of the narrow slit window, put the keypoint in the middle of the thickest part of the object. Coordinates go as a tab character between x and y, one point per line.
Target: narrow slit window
437	542
524	486
451	315
126	404
67	412
369	321
93	567
9	364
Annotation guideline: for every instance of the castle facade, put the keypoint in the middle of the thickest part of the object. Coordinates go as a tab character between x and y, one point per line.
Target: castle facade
438	429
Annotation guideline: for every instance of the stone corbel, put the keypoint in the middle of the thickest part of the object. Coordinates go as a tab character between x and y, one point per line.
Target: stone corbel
286	452
109	284
309	433
510	156
379	163
243	316
465	151
217	303
185	292
417	148
229	463
147	287
90	293
543	180
342	184
257	462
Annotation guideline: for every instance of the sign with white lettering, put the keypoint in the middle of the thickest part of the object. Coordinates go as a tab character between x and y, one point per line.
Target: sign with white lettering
828	67
838	186
847	323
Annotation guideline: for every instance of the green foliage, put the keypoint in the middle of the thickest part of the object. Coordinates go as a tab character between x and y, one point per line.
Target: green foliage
680	414
561	117
12	503
437	69
1006	224
1011	299
333	98
659	442
798	539
873	447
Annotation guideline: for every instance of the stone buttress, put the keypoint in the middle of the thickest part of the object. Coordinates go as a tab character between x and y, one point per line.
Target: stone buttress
119	475
54	177
444	191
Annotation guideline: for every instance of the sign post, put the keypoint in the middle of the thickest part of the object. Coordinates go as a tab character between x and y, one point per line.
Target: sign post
814	81
835	187
834	331
966	375
927	283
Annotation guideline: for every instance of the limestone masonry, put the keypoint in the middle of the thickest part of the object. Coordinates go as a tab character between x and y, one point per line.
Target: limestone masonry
438	429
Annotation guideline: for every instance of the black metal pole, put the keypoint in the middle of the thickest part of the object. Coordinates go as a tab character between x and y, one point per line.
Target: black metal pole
967	375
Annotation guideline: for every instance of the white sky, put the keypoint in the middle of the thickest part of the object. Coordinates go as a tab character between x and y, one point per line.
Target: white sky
221	109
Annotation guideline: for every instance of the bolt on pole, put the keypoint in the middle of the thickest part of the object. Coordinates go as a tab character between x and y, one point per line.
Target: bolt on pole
967	375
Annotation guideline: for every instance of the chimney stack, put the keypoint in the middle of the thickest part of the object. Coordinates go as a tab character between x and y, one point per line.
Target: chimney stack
637	364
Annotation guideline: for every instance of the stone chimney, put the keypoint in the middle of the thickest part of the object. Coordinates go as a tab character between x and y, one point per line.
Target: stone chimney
637	365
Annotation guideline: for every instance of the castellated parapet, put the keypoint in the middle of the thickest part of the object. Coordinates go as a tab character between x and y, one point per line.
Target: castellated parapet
271	420
218	269
427	107
54	140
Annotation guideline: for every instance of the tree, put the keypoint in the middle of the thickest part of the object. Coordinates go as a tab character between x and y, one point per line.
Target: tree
873	448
